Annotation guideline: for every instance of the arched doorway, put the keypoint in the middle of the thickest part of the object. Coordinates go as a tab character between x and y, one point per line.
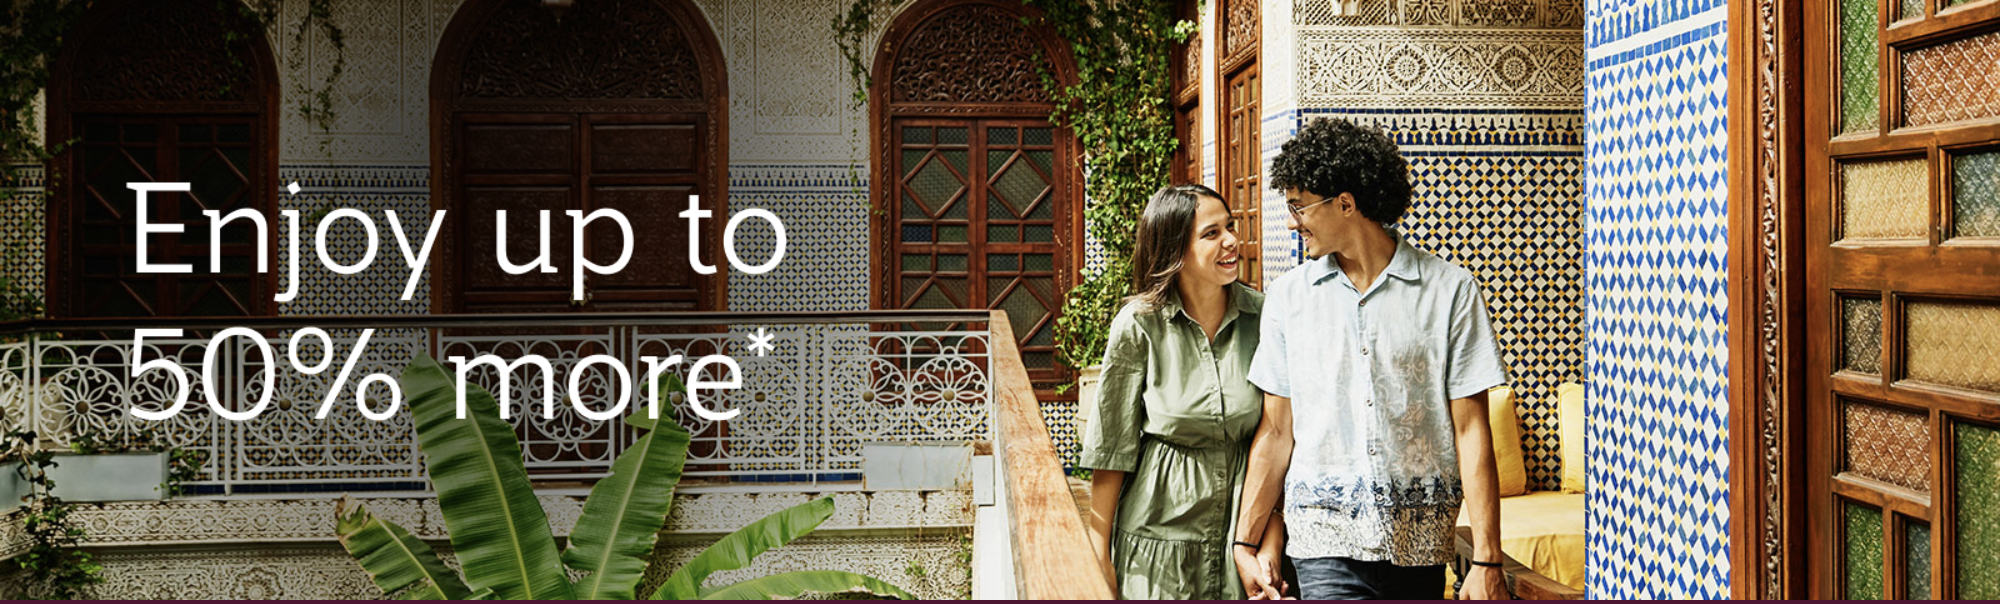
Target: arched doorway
610	104
1241	167
160	91
978	193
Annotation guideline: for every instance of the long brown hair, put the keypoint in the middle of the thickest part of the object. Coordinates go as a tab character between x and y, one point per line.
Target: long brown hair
1161	239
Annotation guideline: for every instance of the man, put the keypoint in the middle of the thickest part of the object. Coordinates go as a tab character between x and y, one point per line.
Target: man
1376	359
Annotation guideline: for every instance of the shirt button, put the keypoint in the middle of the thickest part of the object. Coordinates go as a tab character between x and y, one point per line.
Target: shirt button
1367	352
1369	402
1373	450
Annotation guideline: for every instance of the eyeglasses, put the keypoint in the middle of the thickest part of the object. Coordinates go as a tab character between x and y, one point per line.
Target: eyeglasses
1297	210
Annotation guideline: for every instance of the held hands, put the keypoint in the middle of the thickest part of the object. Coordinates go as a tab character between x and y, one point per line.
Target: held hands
1484	583
1259	572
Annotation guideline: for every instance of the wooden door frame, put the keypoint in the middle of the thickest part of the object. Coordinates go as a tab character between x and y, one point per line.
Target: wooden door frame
58	287
1765	283
1231	62
447	68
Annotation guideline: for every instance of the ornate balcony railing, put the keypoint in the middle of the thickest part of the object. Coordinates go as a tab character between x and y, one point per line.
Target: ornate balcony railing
831	383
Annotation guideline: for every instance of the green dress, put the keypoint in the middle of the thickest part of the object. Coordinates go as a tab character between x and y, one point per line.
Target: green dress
1176	413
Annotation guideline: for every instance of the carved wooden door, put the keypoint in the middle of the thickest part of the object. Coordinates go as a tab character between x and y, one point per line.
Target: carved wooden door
1240	166
153	92
615	104
643	165
979	222
977	192
1902	251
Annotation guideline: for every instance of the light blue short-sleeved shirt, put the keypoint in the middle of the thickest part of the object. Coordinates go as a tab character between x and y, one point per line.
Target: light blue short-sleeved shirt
1370	374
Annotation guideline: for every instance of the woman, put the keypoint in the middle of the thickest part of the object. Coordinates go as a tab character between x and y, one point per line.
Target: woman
1168	434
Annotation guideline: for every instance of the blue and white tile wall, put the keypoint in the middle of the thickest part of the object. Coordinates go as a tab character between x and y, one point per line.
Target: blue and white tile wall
1656	240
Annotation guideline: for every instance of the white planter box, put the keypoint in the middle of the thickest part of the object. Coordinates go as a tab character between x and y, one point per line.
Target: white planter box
118	477
915	467
12	488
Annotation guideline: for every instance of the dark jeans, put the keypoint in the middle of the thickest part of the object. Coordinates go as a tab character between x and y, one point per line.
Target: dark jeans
1346	579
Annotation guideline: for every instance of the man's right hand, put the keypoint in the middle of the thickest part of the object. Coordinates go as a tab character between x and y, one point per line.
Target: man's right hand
1255	575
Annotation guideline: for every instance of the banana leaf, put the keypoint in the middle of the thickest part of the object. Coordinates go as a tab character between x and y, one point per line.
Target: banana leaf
737	549
616	533
394	558
497	526
794	585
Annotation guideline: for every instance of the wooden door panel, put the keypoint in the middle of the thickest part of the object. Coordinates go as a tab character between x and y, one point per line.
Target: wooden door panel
1244	171
519	148
486	283
657	276
215	155
656	148
1902	302
646	166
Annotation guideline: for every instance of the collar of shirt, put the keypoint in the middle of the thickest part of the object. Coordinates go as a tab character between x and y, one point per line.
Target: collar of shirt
1173	307
1404	265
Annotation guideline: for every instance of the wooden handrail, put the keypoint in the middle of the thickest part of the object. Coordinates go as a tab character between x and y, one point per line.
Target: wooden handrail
1053	553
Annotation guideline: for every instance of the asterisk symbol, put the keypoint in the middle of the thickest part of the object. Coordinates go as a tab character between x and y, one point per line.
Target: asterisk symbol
761	342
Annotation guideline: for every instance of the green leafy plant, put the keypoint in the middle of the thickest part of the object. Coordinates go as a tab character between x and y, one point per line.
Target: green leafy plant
57	569
1120	112
502	536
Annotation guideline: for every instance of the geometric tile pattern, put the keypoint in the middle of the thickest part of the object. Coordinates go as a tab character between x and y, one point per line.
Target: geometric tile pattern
1513	218
1656	239
382	107
827	219
373	190
22	231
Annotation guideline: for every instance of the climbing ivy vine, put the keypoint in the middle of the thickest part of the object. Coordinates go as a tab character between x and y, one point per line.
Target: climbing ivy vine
1120	112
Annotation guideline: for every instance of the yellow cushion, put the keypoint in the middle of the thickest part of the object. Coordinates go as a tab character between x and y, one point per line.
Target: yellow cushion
1572	437
1507	440
1546	531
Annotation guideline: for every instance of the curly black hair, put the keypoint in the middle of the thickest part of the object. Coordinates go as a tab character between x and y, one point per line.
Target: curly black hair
1332	156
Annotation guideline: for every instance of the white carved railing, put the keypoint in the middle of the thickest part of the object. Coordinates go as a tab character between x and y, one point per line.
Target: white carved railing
831	383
